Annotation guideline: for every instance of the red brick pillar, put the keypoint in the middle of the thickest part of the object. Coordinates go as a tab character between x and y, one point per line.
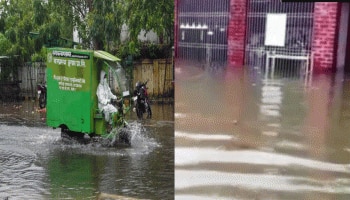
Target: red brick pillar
236	33
325	34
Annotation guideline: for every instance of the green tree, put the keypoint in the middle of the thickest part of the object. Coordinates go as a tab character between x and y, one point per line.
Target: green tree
17	19
80	10
53	23
5	44
97	22
156	15
105	22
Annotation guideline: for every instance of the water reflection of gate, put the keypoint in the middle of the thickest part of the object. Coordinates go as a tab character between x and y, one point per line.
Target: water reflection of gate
203	30
297	38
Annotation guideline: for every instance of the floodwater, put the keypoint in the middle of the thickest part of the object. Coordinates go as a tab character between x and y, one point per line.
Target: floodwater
35	163
241	136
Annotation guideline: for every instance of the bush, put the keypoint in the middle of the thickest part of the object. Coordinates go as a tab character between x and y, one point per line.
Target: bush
144	50
155	51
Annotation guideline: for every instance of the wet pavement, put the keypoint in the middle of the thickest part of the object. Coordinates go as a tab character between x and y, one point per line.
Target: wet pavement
35	163
241	136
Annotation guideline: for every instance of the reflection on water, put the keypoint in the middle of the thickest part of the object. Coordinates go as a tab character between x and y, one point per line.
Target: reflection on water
35	163
239	136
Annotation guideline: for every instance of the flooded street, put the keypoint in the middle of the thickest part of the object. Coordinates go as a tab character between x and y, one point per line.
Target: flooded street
36	164
241	136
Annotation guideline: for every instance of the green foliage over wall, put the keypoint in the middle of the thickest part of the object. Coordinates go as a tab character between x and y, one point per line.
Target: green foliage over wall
27	26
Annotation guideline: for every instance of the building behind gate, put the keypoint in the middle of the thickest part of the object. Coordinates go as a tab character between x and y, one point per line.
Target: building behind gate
261	33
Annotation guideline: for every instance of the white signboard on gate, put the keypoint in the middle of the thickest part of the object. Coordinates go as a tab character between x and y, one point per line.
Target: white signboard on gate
275	32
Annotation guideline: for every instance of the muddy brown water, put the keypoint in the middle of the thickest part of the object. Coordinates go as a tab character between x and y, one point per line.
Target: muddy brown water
241	136
35	163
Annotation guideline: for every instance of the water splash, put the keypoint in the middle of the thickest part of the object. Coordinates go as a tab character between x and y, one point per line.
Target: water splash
140	136
141	143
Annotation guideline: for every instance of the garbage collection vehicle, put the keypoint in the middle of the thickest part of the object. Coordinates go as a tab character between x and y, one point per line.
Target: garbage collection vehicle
72	79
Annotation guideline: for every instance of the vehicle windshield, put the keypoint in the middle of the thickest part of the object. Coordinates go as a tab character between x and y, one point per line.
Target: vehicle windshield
119	81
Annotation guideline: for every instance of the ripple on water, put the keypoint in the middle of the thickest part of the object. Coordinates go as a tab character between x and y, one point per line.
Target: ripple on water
20	177
196	164
24	151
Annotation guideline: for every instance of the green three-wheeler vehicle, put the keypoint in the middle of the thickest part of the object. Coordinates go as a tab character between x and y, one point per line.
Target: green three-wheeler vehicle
72	105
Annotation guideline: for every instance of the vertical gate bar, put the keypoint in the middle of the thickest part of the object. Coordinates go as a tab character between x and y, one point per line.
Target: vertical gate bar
251	25
256	28
299	23
180	31
262	27
290	32
214	43
247	35
219	19
213	37
301	30
295	25
184	43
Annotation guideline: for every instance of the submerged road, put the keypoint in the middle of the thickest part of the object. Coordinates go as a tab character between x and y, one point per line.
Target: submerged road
241	136
35	163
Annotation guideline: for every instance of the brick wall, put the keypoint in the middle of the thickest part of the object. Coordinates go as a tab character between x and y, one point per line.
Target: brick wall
236	33
324	44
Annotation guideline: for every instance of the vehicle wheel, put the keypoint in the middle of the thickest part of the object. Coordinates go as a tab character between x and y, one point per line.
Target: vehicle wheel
125	136
139	112
149	111
42	101
66	134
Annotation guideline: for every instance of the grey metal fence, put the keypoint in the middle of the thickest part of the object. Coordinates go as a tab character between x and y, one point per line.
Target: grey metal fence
203	30
279	36
30	75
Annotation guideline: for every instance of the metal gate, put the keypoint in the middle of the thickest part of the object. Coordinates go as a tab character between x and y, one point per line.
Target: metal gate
279	36
203	30
31	74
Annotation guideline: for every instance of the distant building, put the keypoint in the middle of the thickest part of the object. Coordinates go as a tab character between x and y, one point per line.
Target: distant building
248	32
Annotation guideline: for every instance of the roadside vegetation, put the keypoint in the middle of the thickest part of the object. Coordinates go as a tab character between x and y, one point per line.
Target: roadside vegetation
27	27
